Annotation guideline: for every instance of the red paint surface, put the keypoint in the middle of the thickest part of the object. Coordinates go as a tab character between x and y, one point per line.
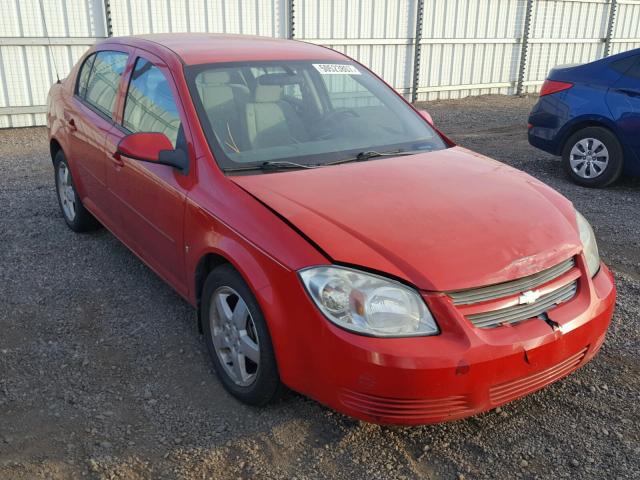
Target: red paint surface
443	220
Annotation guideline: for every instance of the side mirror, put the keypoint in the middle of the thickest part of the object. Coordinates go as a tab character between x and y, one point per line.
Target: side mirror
152	147
426	116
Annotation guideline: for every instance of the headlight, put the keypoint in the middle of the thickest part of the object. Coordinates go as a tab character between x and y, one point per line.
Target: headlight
368	304
588	239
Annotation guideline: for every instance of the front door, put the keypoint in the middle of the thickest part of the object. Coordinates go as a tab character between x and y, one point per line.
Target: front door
151	197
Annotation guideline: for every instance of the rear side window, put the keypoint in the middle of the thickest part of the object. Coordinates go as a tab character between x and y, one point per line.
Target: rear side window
150	106
83	78
102	85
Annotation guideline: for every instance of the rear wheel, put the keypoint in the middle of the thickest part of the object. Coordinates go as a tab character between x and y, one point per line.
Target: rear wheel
593	157
77	217
237	338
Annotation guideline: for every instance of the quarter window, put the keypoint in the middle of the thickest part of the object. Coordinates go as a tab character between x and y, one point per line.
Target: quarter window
104	79
150	105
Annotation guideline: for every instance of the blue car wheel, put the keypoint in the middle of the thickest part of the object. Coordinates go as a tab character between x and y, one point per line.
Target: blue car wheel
593	157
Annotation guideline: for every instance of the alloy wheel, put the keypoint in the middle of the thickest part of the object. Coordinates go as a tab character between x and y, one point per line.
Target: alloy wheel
66	193
589	158
234	336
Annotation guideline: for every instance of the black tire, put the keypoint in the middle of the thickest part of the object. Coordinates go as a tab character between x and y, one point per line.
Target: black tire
82	220
614	166
266	385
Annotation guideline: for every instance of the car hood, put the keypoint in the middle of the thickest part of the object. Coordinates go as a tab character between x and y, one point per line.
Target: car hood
444	220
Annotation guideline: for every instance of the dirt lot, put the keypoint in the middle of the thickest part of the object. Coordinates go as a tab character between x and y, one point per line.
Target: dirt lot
103	373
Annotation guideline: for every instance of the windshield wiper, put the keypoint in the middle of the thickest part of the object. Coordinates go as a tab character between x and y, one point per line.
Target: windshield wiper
372	154
283	164
271	165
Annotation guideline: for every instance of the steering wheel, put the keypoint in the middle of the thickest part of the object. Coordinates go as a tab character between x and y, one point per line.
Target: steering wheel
335	115
330	119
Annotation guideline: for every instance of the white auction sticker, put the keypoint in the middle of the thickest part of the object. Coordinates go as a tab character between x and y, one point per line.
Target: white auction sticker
336	69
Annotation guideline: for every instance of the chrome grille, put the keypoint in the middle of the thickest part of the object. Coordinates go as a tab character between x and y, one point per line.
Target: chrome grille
518	313
500	290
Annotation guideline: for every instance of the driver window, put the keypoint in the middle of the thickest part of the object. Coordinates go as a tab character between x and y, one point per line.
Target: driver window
150	106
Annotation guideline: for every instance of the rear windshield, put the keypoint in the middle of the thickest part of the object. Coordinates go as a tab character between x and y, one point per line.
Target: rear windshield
306	112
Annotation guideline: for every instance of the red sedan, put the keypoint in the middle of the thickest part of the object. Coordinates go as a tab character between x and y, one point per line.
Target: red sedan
330	237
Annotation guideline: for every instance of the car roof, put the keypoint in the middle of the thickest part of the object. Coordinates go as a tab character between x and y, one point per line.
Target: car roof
198	48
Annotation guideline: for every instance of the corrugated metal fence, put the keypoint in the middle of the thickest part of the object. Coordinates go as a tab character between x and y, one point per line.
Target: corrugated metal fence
426	49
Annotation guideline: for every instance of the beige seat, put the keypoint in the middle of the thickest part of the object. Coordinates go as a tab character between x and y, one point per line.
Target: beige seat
270	121
224	104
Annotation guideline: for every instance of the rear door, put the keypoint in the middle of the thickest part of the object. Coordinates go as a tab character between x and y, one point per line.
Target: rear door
88	118
150	198
624	102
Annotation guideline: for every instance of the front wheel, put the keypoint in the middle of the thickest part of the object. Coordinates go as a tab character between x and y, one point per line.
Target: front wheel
593	157
238	339
77	217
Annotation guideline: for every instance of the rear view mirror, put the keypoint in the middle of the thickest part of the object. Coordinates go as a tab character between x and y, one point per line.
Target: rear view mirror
426	115
152	147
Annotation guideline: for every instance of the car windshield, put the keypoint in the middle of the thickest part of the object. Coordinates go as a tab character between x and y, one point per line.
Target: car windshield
304	113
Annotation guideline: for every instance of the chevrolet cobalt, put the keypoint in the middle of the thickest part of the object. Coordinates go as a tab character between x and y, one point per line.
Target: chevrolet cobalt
330	237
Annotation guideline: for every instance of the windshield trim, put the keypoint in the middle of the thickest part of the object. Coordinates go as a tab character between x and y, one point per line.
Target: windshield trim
225	163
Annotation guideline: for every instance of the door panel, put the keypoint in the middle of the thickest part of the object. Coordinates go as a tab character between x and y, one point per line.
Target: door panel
150	197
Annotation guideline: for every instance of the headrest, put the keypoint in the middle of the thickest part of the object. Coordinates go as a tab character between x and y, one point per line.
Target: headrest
213	77
267	93
279	79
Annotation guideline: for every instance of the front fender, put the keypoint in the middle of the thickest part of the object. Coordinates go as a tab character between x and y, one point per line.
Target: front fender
267	276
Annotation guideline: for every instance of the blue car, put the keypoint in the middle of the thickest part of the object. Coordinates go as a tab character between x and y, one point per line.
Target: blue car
590	115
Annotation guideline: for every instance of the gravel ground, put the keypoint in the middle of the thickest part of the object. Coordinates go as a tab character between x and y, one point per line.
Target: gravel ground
103	373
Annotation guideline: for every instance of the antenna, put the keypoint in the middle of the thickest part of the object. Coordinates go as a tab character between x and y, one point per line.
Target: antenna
46	34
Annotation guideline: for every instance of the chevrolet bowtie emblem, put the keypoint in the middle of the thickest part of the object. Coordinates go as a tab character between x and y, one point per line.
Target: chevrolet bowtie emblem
528	297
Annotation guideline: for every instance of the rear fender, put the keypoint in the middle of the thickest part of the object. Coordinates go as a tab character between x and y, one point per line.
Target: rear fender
584	121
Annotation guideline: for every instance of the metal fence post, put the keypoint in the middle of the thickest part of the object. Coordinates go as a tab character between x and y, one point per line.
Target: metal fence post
611	23
524	54
416	51
107	18
291	19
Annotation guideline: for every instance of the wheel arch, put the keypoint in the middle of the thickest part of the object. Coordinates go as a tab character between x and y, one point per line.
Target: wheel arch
251	266
584	122
54	148
207	263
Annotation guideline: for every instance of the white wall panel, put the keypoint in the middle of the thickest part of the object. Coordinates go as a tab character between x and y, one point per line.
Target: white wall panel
28	70
254	17
377	33
564	32
468	47
627	27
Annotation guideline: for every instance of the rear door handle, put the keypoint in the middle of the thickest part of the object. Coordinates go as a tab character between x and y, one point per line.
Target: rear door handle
116	158
629	91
